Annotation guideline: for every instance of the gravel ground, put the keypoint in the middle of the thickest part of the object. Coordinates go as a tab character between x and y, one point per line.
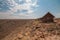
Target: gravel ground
34	30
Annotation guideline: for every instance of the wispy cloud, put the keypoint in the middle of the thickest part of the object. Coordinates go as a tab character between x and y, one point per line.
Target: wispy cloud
26	6
19	8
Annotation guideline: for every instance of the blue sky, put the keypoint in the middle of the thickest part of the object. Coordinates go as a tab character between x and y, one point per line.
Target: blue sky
52	6
23	9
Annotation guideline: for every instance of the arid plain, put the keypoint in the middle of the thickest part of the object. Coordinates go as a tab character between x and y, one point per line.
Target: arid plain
29	30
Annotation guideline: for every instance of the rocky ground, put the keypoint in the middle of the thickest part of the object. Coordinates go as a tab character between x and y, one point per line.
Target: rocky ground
34	30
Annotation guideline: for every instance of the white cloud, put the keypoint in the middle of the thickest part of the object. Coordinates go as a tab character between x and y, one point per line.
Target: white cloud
26	6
